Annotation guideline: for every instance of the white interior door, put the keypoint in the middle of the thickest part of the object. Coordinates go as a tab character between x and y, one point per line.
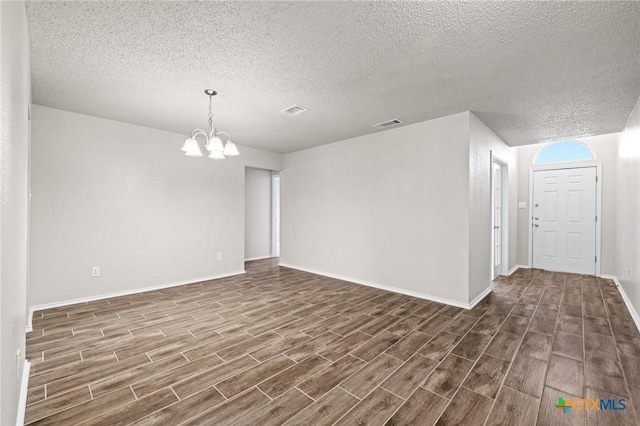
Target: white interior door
497	219
564	220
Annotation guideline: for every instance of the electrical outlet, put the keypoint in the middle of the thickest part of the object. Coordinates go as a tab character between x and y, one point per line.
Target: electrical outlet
522	204
219	256
17	360
95	272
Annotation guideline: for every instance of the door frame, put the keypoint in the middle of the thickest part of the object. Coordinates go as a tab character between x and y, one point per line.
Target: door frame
276	183
570	165
505	215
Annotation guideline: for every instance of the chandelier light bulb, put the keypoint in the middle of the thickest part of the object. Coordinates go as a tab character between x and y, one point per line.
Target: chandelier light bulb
217	155
230	149
191	148
187	144
215	144
194	153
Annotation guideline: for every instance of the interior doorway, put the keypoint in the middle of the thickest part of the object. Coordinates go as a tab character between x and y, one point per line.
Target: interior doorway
275	214
499	217
565	206
262	214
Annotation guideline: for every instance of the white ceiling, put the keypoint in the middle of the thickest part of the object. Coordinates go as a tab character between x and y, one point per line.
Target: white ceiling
532	71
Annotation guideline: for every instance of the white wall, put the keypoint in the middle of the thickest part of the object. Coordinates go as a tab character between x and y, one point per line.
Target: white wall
15	96
390	208
257	213
482	141
605	148
123	197
627	267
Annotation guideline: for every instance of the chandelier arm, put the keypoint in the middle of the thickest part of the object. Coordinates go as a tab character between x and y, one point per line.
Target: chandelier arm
224	133
199	132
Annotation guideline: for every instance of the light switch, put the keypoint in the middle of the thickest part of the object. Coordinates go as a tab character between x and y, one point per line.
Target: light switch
522	204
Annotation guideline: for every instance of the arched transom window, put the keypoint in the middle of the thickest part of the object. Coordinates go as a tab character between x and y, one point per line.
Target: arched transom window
562	151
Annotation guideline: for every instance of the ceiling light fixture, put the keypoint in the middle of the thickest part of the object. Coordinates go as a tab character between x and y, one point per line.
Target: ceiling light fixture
214	144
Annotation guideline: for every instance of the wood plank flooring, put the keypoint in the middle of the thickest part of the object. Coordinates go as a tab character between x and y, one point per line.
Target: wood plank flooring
279	346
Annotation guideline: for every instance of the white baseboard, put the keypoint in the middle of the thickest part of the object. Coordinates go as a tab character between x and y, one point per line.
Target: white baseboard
36	308
394	289
630	308
481	296
516	267
24	387
258	258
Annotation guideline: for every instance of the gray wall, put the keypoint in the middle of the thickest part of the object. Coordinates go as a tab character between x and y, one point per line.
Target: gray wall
257	213
15	95
604	147
482	141
391	208
125	198
627	267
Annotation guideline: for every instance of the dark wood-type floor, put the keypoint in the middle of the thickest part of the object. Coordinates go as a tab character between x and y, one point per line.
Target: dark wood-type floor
279	346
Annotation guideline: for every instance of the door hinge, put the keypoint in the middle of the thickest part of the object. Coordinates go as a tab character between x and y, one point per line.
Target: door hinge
596	259
596	218
596	178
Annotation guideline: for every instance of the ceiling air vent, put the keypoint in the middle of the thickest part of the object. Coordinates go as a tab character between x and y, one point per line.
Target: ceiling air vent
386	124
294	110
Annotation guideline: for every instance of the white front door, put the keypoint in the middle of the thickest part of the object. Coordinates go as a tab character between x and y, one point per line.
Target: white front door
564	220
497	219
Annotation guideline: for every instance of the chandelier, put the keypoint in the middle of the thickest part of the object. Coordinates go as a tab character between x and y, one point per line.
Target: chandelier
213	142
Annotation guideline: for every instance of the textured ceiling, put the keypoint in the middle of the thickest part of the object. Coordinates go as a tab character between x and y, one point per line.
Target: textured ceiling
532	71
